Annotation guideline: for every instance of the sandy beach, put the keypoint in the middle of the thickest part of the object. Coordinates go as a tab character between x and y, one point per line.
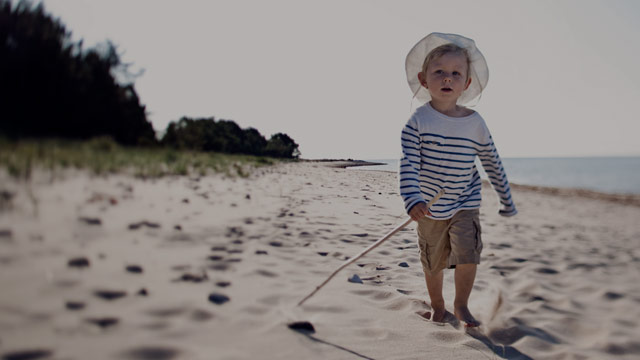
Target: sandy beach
212	267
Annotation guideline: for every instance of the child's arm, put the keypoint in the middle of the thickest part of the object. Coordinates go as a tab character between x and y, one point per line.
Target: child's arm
410	170
498	177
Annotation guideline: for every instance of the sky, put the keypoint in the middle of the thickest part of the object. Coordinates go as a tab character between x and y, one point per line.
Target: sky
330	74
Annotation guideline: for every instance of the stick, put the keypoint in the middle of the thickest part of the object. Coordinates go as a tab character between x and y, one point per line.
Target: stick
367	250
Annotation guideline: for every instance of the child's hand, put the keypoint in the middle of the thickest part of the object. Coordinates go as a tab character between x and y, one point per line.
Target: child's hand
419	211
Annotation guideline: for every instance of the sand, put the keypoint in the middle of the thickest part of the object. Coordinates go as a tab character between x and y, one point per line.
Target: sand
212	267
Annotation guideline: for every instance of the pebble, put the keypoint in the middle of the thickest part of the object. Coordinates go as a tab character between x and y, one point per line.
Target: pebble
78	262
355	279
218	299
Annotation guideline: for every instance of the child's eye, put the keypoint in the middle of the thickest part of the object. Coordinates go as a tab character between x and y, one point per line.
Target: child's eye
456	73
438	71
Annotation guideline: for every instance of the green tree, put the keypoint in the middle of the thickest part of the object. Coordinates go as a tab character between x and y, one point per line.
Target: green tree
50	87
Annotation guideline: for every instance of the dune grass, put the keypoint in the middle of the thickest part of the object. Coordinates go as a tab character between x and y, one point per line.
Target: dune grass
103	156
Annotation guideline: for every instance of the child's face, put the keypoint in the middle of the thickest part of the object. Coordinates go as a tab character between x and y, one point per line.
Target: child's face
446	77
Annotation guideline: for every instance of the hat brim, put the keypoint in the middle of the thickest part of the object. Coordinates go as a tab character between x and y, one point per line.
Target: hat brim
478	70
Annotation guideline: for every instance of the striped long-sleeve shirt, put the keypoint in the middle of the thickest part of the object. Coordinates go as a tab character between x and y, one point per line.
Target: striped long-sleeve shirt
439	152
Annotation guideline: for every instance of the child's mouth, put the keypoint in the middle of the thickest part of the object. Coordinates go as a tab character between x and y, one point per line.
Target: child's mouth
446	89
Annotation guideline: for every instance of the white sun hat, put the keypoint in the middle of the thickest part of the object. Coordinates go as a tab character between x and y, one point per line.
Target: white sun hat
478	70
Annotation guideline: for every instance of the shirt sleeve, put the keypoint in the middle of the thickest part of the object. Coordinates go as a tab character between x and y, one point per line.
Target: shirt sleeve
410	166
497	176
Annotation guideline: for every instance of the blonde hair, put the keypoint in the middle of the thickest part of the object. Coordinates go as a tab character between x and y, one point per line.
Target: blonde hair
443	50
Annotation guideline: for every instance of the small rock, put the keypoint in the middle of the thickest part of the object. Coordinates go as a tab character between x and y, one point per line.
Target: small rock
403	264
109	294
223	284
79	262
134	269
302	326
261	252
323	253
355	279
6	233
275	243
178	227
218	299
142	292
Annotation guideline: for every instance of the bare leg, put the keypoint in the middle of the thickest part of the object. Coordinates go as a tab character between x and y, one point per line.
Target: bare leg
465	275
434	286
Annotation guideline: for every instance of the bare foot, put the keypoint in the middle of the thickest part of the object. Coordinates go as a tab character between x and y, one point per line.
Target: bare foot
436	316
464	315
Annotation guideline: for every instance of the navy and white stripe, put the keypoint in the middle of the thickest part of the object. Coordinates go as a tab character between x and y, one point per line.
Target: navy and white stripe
439	152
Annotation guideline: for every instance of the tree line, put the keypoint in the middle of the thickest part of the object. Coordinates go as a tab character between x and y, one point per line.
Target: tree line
51	87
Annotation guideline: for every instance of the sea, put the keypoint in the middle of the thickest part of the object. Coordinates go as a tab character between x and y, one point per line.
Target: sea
614	175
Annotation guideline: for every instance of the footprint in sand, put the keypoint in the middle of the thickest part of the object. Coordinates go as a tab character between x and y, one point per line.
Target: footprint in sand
104	322
151	353
90	221
28	355
75	305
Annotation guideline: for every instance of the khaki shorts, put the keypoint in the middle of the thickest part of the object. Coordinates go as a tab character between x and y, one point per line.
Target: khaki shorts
447	243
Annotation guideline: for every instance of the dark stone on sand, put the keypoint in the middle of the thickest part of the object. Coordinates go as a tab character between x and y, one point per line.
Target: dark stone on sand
103	322
380	268
151	353
403	264
27	355
178	227
275	243
216	258
6	233
218	248
302	326
237	242
75	305
78	262
109	294
90	221
134	269
360	235
235	251
142	292
218	299
248	197
223	284
355	279
261	252
609	295
323	253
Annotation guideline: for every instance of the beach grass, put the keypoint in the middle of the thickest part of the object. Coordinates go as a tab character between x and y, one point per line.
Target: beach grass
103	156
